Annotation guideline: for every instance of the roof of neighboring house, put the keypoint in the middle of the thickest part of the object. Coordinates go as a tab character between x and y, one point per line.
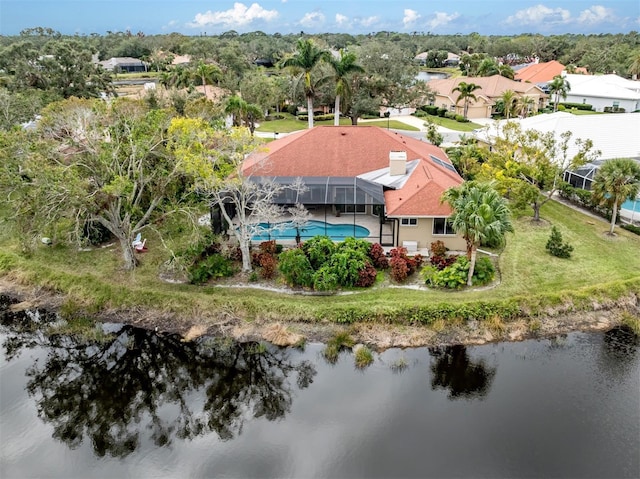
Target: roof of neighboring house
604	86
181	60
540	72
490	87
115	61
355	151
615	135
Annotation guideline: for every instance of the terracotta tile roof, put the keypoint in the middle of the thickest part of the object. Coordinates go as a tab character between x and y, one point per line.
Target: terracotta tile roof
353	150
420	195
540	72
490	87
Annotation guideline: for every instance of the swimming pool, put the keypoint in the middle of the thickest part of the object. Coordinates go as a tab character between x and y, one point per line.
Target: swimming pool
629	205
336	232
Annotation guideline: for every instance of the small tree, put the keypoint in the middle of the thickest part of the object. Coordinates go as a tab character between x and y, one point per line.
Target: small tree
433	135
556	247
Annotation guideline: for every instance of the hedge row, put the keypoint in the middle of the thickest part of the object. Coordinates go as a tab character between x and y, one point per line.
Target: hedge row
577	106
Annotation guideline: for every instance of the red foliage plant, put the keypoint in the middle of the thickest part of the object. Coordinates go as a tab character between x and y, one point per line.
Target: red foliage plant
378	257
367	276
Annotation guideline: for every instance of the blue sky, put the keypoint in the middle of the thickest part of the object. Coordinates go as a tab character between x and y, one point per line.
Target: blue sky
195	17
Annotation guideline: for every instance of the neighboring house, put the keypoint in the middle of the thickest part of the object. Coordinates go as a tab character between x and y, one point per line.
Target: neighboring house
182	60
363	171
604	92
123	65
540	73
491	88
614	135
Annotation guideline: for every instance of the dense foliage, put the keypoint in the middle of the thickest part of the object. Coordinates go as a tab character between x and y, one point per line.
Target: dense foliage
556	246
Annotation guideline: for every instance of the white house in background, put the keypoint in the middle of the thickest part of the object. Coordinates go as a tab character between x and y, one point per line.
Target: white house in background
615	135
603	91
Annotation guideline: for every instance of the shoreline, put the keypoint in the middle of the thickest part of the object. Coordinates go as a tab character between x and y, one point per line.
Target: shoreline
379	336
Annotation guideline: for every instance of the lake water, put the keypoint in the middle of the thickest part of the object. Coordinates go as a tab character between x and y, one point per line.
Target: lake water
426	76
149	405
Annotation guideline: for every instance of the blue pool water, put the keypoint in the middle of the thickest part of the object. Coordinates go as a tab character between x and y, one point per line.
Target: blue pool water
336	232
628	205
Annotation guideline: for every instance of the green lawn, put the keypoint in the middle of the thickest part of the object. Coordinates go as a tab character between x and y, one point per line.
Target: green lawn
290	123
451	124
533	280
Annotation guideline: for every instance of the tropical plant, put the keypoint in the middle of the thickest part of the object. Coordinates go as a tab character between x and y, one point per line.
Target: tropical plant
296	268
616	181
343	68
508	99
559	87
466	93
524	106
306	57
207	73
479	214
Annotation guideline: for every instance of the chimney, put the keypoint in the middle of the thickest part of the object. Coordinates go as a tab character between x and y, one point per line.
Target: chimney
397	163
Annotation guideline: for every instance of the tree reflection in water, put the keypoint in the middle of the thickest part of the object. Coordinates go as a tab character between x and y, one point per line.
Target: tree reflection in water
453	370
113	392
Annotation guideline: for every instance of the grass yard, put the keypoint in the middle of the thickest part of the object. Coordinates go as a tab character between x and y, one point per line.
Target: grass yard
451	124
290	123
600	267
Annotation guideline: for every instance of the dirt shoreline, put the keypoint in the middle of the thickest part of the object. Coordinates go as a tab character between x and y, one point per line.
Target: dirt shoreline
376	335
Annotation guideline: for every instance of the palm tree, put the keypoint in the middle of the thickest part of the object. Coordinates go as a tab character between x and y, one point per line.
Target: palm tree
307	56
634	68
466	93
508	99
207	72
235	107
559	86
616	181
343	67
479	214
525	106
242	111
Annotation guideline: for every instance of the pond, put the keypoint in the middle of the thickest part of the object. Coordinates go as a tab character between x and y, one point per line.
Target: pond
143	404
427	76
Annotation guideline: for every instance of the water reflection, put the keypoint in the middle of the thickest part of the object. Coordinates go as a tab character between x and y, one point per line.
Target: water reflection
454	371
104	390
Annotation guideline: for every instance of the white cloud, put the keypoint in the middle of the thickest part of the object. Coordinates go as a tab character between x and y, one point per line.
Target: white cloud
237	16
367	22
312	19
596	14
440	19
410	17
341	19
539	14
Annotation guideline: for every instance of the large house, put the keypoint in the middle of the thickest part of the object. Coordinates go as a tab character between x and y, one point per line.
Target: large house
491	88
366	174
604	92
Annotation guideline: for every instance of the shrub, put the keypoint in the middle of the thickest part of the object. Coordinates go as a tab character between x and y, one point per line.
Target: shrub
450	115
360	245
296	268
483	271
632	228
452	277
442	112
319	249
577	106
346	264
268	265
378	257
325	279
268	247
213	266
438	248
461	119
367	276
401	265
556	246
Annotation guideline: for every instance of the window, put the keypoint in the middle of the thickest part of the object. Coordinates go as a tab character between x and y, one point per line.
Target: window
616	104
409	221
442	226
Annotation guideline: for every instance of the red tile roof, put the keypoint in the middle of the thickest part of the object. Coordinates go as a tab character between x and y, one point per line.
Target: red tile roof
540	72
353	150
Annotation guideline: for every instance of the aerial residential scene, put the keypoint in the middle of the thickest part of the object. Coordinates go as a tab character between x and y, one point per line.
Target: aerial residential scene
357	239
